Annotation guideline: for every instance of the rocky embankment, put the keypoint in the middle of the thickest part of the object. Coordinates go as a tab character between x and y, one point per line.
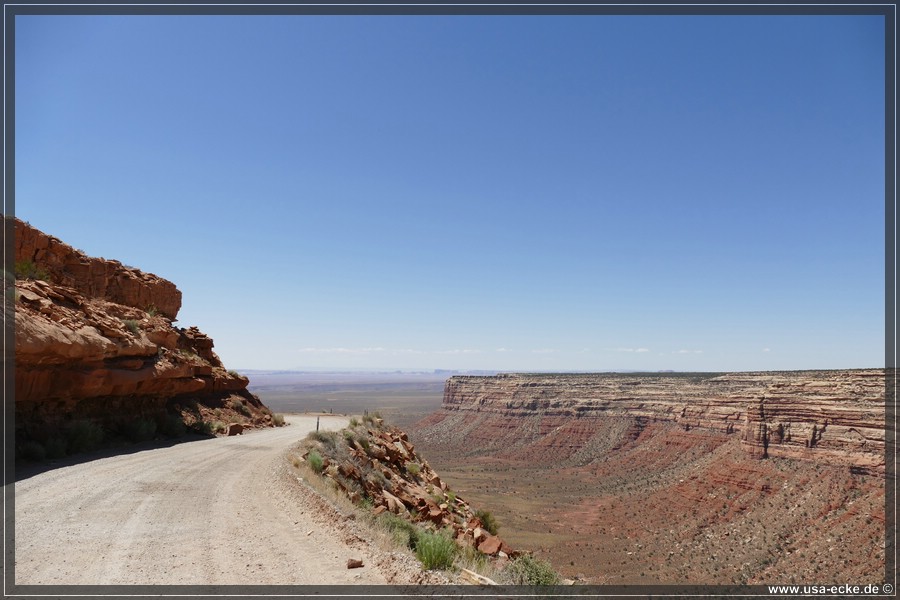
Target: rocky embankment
95	341
377	466
836	417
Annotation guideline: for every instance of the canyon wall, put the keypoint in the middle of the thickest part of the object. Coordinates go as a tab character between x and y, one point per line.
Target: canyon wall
684	478
836	417
95	340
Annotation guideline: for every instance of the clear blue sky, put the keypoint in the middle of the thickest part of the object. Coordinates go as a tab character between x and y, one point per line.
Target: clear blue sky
483	192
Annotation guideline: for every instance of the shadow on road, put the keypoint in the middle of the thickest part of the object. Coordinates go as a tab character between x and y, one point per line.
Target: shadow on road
25	469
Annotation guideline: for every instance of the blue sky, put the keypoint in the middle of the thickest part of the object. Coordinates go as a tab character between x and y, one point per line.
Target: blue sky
475	192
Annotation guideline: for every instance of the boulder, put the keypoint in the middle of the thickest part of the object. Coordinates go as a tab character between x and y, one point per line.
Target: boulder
394	504
490	545
234	429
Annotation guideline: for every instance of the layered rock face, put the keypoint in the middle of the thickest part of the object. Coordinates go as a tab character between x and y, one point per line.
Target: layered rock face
661	478
95	277
95	340
831	416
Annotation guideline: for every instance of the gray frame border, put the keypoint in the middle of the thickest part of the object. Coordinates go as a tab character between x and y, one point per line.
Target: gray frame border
332	7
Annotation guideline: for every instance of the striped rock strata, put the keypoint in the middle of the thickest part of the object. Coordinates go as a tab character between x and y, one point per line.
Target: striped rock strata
831	416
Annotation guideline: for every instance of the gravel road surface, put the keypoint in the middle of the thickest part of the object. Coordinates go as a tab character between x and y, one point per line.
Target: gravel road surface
213	511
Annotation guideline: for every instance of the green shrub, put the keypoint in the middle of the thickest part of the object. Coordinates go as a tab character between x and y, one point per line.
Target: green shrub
403	532
354	422
238	404
25	269
278	419
209	427
436	550
329	439
33	451
527	570
413	469
233	373
83	436
132	326
488	521
315	460
152	310
476	561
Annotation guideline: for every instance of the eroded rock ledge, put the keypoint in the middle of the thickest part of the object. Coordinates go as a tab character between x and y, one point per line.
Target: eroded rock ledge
94	277
831	416
95	340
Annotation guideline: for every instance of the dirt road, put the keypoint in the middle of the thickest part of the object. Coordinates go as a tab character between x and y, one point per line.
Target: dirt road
214	511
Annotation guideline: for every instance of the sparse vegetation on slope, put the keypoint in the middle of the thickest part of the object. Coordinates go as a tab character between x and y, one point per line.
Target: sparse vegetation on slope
132	325
488	521
395	490
436	550
527	570
26	269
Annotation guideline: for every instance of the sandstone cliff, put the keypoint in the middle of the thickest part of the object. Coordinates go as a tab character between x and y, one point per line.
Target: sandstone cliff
95	341
831	416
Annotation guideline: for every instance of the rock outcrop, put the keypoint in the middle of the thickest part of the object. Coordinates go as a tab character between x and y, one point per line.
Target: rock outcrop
831	416
95	341
94	277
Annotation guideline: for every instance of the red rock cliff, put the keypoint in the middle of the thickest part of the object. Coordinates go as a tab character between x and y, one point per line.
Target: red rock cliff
95	277
831	416
95	340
